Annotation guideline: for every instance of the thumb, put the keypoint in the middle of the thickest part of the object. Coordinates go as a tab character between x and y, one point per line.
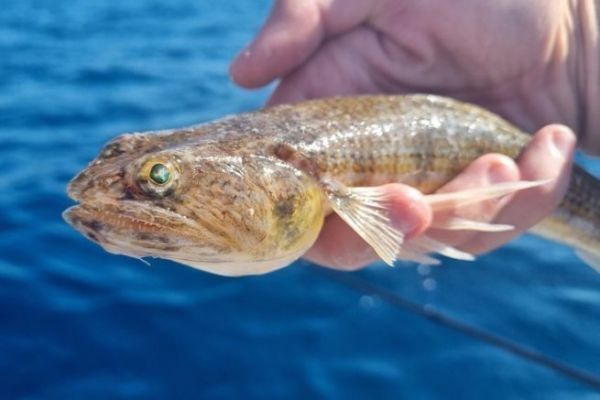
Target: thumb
293	31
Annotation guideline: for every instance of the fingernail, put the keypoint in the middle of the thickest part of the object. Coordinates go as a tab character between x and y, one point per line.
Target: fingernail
412	216
243	54
498	173
405	221
562	141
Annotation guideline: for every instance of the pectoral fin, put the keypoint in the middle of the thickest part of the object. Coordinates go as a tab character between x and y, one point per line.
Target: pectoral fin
451	200
463	224
423	244
440	202
365	210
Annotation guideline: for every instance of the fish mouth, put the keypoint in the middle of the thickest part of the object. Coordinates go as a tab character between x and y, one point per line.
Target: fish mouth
82	219
124	224
97	222
110	226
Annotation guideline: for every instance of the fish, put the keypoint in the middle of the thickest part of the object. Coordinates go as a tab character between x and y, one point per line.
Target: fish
248	193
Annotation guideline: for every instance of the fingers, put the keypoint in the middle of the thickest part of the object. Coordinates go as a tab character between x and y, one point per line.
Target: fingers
293	31
549	156
343	66
339	247
486	170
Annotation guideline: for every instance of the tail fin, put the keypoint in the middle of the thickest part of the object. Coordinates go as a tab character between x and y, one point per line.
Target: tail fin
576	222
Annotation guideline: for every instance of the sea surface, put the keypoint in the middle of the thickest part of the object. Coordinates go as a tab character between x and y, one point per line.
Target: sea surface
79	323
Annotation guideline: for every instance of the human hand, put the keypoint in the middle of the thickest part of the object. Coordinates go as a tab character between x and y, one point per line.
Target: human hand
510	56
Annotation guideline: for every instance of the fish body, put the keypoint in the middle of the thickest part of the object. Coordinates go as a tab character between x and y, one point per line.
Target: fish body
248	193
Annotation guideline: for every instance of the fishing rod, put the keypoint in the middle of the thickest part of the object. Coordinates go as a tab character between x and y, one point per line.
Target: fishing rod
362	285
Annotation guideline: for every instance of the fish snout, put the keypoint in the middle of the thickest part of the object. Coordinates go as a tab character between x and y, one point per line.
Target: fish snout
77	186
100	181
82	220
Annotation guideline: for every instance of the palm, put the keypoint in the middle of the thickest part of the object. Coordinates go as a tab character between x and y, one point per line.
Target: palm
511	56
484	55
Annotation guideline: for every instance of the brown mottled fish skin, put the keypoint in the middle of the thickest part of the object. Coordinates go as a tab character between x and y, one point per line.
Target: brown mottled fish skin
249	188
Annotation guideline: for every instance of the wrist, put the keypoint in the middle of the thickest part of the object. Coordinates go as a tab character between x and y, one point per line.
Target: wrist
587	28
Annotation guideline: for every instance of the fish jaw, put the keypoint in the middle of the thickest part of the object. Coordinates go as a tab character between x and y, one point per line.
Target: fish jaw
122	228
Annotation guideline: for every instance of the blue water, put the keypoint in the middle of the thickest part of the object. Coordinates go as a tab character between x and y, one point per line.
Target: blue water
76	322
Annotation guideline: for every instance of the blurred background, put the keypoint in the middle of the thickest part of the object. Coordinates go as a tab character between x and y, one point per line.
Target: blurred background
78	322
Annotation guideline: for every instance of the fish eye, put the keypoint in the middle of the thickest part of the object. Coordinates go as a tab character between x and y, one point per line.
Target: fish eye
160	174
158	177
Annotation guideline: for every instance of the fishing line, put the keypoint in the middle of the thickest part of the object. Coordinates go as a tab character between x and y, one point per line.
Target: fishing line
364	286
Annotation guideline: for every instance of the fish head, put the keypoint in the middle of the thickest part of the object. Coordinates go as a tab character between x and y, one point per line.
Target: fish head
202	206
